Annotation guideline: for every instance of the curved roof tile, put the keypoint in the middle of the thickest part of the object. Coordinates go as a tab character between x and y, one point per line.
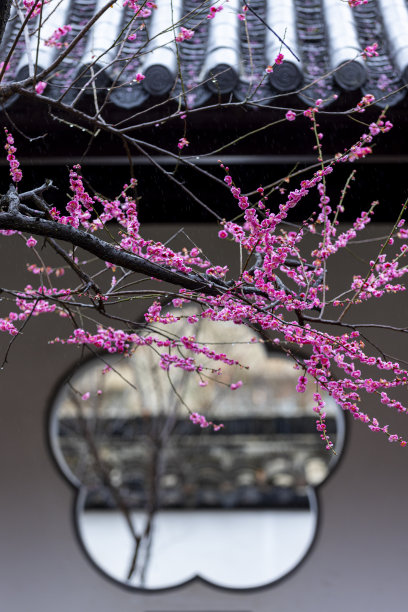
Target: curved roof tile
281	17
222	65
344	47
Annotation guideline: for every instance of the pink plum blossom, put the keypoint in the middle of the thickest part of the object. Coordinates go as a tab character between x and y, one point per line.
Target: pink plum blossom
40	86
31	242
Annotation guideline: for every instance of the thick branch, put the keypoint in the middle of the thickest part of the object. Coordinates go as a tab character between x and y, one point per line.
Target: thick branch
107	252
5	6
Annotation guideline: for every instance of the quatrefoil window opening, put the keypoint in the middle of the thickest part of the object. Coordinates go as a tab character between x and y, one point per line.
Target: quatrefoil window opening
161	501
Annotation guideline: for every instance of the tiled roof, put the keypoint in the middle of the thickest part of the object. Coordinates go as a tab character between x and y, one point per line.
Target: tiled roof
253	457
226	55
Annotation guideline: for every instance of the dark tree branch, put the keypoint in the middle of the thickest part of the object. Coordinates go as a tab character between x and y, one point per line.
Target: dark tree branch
31	212
33	222
12	220
86	279
5	6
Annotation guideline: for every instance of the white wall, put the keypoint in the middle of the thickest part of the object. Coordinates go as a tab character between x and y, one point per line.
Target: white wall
358	560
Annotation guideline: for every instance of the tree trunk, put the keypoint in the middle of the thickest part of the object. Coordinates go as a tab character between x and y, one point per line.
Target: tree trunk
5	6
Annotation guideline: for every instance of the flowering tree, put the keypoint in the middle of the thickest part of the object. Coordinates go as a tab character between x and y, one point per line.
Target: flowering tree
283	289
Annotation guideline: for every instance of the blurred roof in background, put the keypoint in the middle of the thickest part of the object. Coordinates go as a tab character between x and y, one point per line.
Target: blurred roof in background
226	54
130	69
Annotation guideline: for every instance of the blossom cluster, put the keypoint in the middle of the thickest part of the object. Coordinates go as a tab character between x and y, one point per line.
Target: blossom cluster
33	302
40	87
199	419
370	51
183	142
15	171
29	5
242	16
213	11
54	39
279	294
144	10
118	341
321	421
184	34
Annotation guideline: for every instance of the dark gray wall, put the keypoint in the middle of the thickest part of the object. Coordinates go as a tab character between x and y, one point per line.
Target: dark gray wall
358	561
